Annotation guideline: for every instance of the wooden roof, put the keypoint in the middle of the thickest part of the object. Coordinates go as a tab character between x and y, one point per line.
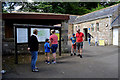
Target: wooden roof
32	15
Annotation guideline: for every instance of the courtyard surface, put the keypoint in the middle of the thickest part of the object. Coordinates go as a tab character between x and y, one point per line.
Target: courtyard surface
97	62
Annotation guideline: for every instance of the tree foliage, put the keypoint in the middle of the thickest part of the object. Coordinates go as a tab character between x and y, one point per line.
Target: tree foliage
75	8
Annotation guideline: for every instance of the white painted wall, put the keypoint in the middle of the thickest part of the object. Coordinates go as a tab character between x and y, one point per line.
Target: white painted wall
115	36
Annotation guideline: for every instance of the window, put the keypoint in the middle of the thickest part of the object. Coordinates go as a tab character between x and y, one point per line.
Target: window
97	25
76	27
92	27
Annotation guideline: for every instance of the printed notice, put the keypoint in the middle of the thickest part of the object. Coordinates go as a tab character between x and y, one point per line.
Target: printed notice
42	33
22	35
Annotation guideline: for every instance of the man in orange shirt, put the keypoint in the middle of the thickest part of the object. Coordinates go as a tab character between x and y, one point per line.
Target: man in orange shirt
79	42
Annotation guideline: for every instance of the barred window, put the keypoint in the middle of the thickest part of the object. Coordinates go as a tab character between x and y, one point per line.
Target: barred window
97	25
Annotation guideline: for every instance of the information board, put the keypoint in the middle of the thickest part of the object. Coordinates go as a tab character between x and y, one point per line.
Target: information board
43	33
22	35
58	34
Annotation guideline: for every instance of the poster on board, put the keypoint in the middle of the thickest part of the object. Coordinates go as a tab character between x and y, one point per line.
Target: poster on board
43	33
58	34
22	35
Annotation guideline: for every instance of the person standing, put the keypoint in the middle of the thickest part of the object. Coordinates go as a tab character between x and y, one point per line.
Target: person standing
33	47
47	51
54	45
89	38
79	42
96	41
73	43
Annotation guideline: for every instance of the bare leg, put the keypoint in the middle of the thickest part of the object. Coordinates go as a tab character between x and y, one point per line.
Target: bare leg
45	56
48	58
54	56
71	50
80	51
74	50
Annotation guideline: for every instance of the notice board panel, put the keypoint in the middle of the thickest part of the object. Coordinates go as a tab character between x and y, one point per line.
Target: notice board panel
22	35
43	33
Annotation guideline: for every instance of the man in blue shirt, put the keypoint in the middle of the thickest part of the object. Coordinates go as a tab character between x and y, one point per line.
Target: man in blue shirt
73	43
47	51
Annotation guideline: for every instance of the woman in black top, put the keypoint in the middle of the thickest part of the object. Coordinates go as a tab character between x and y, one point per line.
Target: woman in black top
89	38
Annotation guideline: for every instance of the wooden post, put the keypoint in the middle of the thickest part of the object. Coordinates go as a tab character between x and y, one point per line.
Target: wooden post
60	42
16	53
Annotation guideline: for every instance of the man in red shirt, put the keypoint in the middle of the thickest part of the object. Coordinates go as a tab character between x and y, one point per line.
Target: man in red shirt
79	42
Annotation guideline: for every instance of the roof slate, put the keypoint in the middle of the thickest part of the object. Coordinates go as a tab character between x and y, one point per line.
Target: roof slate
97	14
72	19
116	20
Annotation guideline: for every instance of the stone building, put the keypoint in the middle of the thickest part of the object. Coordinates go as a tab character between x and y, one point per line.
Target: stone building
100	24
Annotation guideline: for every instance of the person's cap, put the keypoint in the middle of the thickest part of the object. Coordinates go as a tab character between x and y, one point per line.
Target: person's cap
73	34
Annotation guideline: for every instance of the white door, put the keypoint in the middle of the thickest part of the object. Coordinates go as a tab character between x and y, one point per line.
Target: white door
115	36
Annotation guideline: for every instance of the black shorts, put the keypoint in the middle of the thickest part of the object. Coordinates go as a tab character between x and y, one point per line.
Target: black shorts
79	45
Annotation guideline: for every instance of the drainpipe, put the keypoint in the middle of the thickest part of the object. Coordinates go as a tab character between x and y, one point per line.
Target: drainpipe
109	40
109	22
115	19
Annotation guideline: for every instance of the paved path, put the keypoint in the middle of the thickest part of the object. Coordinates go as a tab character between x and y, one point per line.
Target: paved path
97	62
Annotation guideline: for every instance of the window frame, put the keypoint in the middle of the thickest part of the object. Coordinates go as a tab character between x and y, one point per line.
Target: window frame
97	26
92	27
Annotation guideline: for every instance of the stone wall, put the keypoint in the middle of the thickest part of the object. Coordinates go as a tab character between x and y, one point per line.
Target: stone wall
70	32
105	31
119	36
64	35
8	47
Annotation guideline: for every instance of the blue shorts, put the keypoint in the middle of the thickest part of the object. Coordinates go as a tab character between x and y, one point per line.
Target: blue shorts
47	51
54	48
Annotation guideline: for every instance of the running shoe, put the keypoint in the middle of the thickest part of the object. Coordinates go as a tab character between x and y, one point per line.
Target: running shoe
80	56
71	54
48	62
36	67
35	70
74	54
54	62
